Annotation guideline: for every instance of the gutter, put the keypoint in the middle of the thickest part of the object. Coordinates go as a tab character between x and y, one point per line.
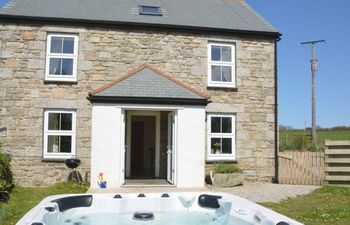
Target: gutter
275	180
147	100
80	22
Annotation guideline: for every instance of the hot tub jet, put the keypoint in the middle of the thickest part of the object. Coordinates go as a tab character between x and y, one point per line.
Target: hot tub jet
144	216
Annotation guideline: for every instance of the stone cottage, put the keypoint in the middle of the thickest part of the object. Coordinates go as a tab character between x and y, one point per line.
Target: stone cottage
145	92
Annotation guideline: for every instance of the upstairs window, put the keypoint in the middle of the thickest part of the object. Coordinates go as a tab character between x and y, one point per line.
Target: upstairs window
221	65
221	137
59	133
61	57
150	10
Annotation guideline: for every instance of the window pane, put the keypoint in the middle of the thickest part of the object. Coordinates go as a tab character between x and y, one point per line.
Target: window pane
55	66
68	45
226	125
226	73
215	145
226	54
65	144
216	73
66	121
215	124
52	144
215	53
56	45
54	121
150	10
58	144
60	121
226	146
67	67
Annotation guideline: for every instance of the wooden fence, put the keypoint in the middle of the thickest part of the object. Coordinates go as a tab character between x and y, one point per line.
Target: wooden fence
305	168
337	162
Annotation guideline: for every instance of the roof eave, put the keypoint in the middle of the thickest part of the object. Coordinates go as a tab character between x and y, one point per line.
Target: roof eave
21	19
148	100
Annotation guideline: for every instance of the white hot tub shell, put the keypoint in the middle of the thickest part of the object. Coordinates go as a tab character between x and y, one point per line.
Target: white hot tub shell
54	209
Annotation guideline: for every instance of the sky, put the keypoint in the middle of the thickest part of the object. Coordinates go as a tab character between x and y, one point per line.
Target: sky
299	21
305	20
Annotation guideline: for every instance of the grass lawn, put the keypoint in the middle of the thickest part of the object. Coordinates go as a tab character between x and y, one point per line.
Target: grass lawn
327	205
22	199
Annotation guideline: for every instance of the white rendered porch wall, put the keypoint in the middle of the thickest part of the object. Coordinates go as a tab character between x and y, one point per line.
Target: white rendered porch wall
191	147
105	144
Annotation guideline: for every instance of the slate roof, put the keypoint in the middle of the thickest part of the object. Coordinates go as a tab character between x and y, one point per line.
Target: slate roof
229	15
147	82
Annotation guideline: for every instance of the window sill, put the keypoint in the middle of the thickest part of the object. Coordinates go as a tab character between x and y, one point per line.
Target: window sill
56	158
59	160
213	159
230	86
60	79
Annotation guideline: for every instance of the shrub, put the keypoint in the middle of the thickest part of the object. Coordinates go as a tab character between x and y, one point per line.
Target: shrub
313	148
227	168
6	176
301	141
286	146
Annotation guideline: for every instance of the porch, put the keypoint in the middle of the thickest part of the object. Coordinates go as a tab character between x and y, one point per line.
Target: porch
148	135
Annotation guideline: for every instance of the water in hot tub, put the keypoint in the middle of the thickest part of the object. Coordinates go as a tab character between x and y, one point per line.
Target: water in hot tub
163	218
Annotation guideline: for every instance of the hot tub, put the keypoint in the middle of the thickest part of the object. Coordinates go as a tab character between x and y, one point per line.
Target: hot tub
189	208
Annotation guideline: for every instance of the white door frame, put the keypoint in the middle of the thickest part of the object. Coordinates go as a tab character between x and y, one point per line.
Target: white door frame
122	147
171	148
128	141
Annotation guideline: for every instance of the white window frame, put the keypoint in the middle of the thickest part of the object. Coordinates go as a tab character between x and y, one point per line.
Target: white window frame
74	56
232	135
232	64
47	132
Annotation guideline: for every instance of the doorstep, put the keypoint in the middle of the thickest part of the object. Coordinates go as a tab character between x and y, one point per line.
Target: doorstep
142	189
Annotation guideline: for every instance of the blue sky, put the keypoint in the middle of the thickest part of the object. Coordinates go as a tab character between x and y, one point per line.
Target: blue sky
298	21
2	2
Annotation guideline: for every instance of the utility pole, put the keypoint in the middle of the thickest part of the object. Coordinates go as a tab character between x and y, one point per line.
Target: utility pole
313	71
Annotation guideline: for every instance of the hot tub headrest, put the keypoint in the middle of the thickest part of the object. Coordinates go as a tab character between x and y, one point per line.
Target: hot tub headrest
209	201
73	202
282	223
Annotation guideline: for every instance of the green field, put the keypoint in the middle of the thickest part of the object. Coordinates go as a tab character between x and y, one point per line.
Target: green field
289	136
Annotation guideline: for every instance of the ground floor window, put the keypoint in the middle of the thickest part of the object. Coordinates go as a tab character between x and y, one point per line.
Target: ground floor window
221	137
59	133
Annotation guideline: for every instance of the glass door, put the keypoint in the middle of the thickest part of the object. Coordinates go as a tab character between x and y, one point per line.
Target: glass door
171	148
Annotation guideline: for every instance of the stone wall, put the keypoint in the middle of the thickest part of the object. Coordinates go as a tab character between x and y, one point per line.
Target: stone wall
105	54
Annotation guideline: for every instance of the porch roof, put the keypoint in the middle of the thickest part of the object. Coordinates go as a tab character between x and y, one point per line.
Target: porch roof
148	84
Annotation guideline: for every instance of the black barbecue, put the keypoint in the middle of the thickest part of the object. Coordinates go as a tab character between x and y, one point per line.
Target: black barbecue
72	163
74	175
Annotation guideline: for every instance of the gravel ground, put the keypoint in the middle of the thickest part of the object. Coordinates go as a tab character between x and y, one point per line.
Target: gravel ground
266	192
